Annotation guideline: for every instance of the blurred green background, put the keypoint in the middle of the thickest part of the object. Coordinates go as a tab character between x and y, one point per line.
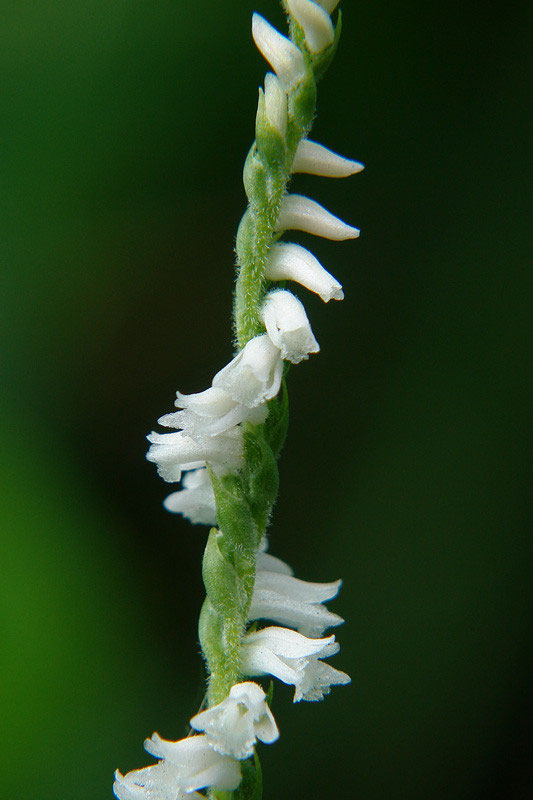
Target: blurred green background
124	128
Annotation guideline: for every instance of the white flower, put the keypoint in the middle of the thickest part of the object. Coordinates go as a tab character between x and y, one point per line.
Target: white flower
294	659
276	104
287	326
291	262
295	603
195	500
283	56
302	214
197	764
158	782
177	452
315	23
255	373
211	412
233	726
265	561
316	159
185	766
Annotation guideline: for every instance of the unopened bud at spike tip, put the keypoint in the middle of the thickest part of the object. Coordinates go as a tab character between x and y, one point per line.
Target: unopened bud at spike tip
315	23
302	214
316	159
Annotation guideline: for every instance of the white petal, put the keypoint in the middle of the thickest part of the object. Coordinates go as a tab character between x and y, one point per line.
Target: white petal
233	726
210	403
318	679
264	561
315	22
270	563
316	159
291	262
158	782
295	589
286	643
199	765
174	452
195	500
287	326
283	56
276	103
302	214
255	373
210	412
295	603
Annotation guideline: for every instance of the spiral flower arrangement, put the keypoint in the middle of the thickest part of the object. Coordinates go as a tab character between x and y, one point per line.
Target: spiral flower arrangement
227	439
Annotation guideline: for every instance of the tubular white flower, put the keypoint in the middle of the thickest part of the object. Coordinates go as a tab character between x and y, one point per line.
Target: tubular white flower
196	500
291	262
158	782
177	452
287	326
234	725
283	56
255	373
196	764
316	159
294	659
276	103
295	603
266	562
302	214
315	23
211	412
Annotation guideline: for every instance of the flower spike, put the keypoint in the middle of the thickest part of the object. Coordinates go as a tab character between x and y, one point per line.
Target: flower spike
316	159
302	214
227	438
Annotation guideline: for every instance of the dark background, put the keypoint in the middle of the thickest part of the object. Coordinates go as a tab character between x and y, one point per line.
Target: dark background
124	128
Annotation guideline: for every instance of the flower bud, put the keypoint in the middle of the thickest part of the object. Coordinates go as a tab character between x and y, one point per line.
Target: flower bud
315	23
